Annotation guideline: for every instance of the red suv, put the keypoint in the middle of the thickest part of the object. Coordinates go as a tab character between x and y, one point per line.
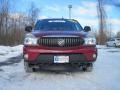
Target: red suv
59	42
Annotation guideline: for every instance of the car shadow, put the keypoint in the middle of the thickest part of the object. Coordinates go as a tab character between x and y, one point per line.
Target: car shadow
66	71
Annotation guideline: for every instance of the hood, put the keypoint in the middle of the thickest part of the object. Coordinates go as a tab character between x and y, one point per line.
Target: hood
60	33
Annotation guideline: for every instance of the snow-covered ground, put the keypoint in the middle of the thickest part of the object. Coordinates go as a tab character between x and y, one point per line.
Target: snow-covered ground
105	76
8	52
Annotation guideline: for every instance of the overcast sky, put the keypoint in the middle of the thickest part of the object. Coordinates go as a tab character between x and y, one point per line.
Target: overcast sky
83	10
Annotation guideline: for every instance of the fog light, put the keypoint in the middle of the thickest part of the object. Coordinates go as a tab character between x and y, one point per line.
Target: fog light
94	55
26	56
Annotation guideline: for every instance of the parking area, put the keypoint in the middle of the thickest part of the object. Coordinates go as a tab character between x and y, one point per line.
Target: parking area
105	75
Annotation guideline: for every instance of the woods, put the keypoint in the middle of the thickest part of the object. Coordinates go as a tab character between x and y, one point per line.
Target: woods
12	24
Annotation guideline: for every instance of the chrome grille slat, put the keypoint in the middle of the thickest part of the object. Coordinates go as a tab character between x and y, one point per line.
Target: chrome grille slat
53	41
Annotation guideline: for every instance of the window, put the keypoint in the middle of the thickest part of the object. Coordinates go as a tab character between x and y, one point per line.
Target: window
57	25
112	39
118	39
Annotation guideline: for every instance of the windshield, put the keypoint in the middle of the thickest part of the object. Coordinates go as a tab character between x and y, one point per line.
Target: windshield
57	25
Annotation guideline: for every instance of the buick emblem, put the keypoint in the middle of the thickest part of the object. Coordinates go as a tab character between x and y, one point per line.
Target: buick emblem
61	42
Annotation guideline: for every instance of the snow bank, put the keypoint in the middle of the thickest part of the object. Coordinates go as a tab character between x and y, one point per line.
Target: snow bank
4	50
7	52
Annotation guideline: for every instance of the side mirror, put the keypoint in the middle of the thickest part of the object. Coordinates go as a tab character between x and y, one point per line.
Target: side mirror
28	28
87	28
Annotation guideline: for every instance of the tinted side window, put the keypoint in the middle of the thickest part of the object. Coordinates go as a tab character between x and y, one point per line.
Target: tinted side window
118	39
112	39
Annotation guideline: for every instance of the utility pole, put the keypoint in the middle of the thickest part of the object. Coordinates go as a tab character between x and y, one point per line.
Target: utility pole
70	7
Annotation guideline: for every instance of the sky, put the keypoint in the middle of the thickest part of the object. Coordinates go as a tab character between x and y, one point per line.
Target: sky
82	10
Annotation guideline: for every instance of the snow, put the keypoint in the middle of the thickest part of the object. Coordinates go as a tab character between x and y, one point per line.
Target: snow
8	52
105	76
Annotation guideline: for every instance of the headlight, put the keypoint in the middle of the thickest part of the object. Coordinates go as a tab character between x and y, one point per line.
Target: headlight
30	40
90	41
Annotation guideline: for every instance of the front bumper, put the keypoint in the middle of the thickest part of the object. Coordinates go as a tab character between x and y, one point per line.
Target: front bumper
40	55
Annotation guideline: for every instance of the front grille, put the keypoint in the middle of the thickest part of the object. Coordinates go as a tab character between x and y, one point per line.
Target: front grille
60	41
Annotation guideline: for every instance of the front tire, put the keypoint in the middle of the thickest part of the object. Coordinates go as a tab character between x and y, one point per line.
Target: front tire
88	67
107	45
27	67
115	45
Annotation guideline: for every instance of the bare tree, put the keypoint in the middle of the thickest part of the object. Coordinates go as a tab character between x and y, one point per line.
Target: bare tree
11	26
102	37
4	13
33	13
